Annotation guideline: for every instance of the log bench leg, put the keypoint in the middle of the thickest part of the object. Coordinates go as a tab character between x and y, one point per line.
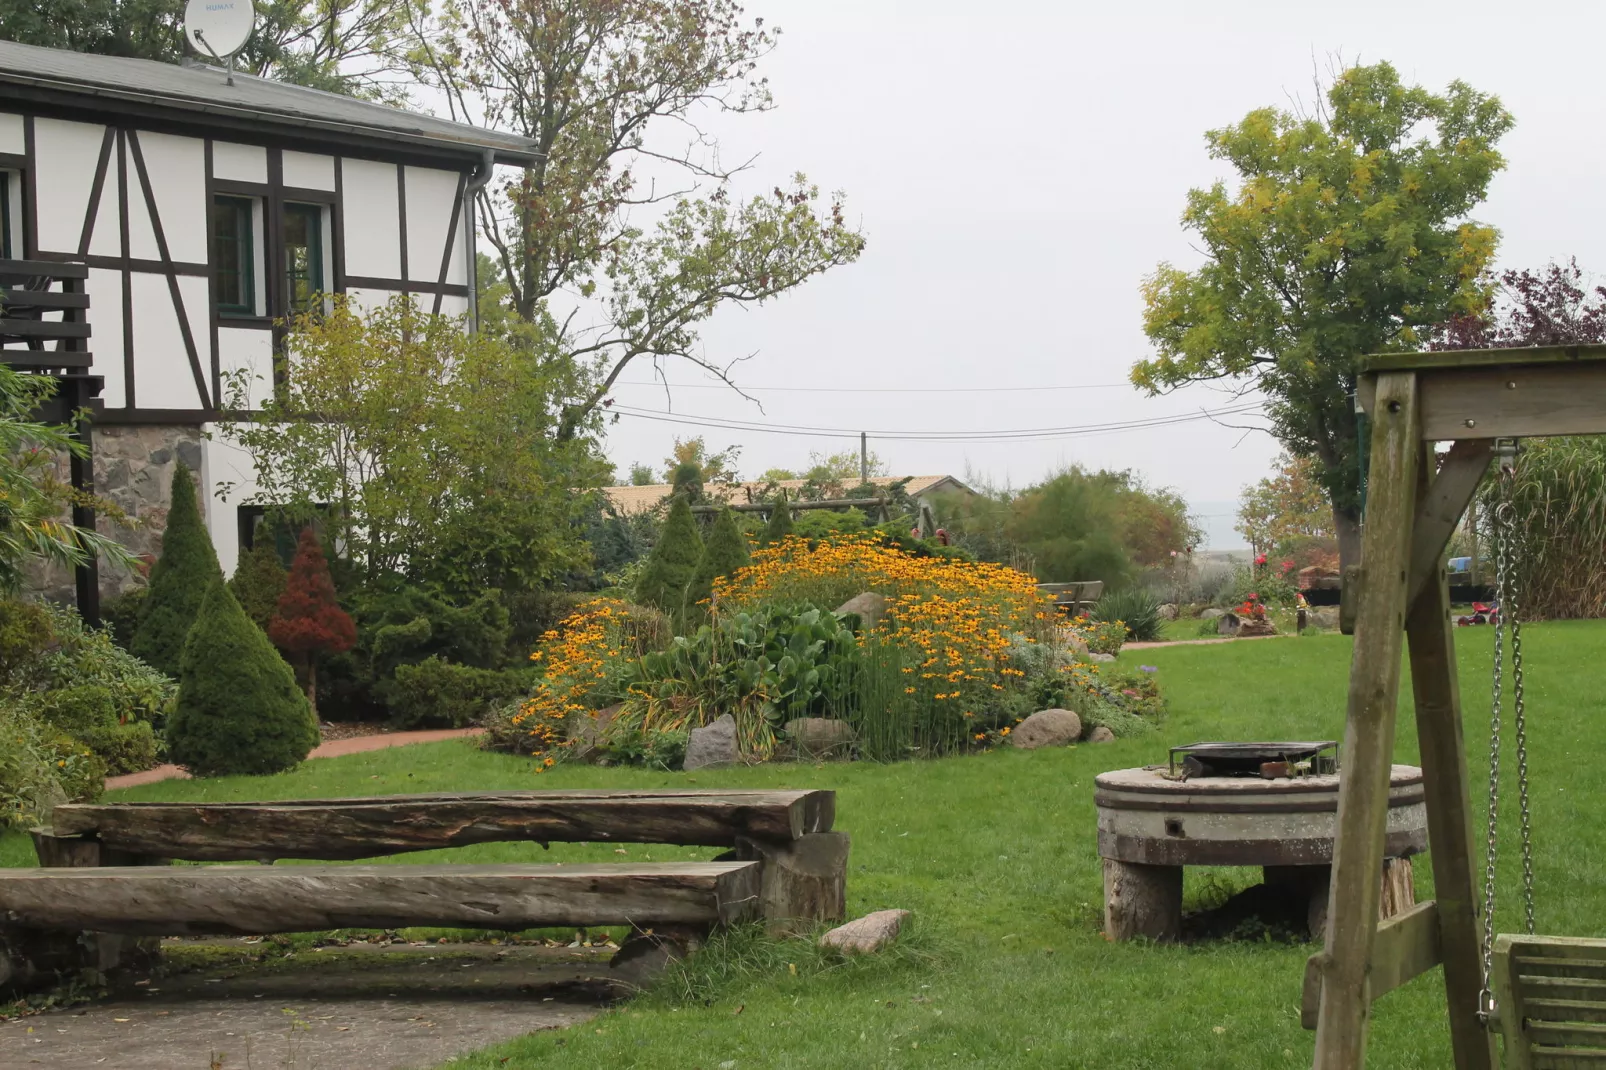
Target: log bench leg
805	881
1142	900
1398	891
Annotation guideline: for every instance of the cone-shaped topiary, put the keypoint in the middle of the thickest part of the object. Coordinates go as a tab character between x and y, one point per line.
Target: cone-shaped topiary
780	523
258	581
309	620
673	561
723	553
186	570
239	709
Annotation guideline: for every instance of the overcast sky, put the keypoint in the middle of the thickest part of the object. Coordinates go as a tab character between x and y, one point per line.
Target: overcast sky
1019	166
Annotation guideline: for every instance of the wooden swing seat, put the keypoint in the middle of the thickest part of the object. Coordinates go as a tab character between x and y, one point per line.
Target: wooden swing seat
1551	996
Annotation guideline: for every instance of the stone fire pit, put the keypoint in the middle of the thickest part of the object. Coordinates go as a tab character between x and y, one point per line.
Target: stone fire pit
1155	820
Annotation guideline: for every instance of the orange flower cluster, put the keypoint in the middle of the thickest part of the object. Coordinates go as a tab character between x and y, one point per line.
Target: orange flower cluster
959	647
830	572
575	656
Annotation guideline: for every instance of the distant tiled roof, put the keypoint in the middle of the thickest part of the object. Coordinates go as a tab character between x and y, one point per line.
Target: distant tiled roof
642	499
204	91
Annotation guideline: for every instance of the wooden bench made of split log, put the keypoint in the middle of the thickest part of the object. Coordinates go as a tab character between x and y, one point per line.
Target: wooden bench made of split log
347	829
254	900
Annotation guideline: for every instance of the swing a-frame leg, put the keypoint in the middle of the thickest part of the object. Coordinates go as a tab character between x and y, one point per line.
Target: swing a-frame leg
1408	522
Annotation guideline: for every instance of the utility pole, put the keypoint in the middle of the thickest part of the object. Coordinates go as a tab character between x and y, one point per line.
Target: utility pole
864	457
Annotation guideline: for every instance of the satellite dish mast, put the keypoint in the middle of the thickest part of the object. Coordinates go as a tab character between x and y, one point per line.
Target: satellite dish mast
219	28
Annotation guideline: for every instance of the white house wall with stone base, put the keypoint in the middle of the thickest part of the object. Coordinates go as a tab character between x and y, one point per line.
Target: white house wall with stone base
206	213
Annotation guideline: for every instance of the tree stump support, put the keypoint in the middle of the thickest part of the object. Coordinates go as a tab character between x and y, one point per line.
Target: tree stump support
1142	900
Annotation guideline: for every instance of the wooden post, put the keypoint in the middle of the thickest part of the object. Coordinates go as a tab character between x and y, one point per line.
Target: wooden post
1141	900
805	880
1449	806
1363	794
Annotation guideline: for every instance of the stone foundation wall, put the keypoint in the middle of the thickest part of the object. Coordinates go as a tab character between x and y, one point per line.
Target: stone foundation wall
133	468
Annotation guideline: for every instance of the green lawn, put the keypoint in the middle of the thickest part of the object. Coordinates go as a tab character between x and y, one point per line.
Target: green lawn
996	856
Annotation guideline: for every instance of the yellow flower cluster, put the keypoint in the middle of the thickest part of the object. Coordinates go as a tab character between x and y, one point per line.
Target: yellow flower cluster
575	656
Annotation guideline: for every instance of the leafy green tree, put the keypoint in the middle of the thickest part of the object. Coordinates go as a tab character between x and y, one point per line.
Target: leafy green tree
239	709
724	552
587	80
1347	234
33	498
258	581
780	523
341	46
641	475
1285	505
436	455
179	581
673	561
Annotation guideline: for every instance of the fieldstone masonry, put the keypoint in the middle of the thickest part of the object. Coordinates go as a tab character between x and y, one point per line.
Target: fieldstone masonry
134	469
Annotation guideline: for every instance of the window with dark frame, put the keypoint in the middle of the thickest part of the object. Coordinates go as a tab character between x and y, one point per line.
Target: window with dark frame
235	249
303	257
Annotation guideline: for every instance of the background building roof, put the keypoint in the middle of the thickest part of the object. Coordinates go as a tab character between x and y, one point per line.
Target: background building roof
642	499
255	102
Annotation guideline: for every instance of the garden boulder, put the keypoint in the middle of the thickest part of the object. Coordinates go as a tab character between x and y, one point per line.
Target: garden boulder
867	934
712	745
1168	611
1101	734
1047	728
820	737
584	731
1212	613
869	607
1229	624
1096	656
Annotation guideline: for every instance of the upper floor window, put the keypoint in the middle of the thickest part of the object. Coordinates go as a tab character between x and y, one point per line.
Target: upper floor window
234	246
10	214
303	257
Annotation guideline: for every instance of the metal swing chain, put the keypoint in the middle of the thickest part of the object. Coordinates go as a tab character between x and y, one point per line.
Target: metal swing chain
1505	600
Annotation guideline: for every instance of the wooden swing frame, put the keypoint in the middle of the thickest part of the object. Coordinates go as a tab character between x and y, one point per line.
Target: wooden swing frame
1471	398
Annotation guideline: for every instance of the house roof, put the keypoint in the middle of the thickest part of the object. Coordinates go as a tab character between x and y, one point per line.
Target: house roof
251	101
642	499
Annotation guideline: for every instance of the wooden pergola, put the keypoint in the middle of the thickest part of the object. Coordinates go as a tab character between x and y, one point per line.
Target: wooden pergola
1470	398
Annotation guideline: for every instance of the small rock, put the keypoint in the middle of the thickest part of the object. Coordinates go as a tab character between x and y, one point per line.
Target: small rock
1167	611
864	935
1256	627
1325	617
1047	728
712	745
1212	613
1077	644
1229	624
1101	734
820	737
1096	656
869	607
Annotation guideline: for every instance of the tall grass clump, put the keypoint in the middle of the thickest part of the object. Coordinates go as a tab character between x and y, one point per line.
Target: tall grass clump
1558	500
1138	609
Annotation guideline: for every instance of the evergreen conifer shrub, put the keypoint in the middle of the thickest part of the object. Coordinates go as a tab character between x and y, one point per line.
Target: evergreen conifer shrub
239	708
723	553
258	581
179	582
780	523
673	562
309	620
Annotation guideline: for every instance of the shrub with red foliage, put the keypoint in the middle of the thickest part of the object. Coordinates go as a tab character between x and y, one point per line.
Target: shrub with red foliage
309	620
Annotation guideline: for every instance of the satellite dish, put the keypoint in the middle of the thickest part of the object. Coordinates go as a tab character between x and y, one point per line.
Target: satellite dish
218	28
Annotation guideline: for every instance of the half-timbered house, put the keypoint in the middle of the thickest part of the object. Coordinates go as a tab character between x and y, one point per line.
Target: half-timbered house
192	212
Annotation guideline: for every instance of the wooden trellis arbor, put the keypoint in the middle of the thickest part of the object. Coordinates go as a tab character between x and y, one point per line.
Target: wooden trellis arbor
1471	398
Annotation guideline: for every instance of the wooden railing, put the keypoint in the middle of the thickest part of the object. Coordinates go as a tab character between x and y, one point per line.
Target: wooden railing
44	309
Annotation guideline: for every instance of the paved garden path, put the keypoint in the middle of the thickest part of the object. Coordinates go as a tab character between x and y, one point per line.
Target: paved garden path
1147	646
333	749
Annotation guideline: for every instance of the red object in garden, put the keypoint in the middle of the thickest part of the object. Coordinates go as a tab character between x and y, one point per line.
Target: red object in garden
1261	559
309	620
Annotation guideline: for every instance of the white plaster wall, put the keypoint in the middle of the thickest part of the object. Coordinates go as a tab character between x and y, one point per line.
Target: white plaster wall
450	306
107	237
239	163
106	333
251	351
65	155
141	235
11	139
368	198
223	462
363	300
177	170
430	193
162	375
307	170
460	271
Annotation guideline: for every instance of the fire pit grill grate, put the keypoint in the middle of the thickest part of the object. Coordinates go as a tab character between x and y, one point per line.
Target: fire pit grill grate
1267	760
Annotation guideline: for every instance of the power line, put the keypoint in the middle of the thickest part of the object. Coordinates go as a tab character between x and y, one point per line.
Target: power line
874	389
1007	435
